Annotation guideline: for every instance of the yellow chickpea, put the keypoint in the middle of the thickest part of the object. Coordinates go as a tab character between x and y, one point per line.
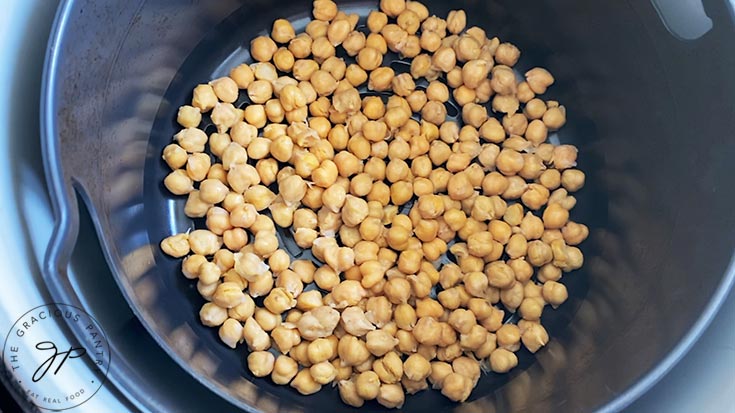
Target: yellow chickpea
502	360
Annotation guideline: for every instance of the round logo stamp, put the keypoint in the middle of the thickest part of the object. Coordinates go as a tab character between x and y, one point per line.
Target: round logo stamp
57	355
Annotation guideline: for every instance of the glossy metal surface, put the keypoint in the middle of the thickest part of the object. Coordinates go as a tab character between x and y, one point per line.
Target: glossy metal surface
638	306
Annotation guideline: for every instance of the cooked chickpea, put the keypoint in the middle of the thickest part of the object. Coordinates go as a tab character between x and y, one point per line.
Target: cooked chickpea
502	360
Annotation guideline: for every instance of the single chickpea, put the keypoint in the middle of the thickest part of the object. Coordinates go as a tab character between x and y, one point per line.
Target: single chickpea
242	75
284	369
507	54
369	58
324	10
338	31
204	97
303	382
572	179
554	293
261	363
539	79
555	216
444	59
456	387
502	360
262	48
535	196
534	337
416	367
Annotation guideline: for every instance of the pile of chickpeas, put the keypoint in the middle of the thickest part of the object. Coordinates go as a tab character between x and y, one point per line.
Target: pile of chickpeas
380	198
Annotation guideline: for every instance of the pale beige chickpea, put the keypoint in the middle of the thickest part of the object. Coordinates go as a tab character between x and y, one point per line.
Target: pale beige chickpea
535	196
555	117
323	372
355	74
515	124
204	97
572	179
430	41
175	156
534	109
189	116
539	79
309	300
369	58
512	297
348	393
354	211
444	59
262	48
179	182
555	216
261	363
534	337
242	75
524	93
303	382
516	187
468	49
191	139
421	66
381	79
218	220
437	91
474	72
353	43
492	131
416	367
434	112
225	88
391	396
284	369
554	293
338	31
509	162
255	115
574	233
456	21
324	10
474	114
456	387
320	350
503	80
507	54
230	332
300	46
502	360
538	253
550	178
352	351
531	308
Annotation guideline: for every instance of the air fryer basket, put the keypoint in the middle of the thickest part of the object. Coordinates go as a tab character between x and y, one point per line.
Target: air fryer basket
651	113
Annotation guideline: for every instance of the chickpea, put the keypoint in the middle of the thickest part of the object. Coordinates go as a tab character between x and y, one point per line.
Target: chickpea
391	396
444	59
176	246
502	360
462	320
284	369
456	387
369	58
554	118
539	79
348	393
204	98
555	216
338	31
189	116
572	179
242	75
303	382
534	337
262	48
554	293
325	10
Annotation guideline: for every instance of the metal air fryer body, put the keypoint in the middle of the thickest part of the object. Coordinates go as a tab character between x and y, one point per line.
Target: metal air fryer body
650	105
